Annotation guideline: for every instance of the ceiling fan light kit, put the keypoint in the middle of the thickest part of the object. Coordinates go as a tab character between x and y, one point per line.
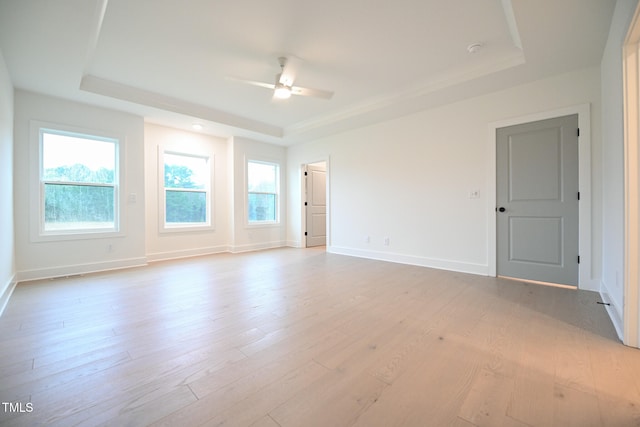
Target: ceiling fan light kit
282	91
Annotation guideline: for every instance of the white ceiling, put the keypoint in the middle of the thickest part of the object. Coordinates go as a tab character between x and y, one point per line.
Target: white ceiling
170	60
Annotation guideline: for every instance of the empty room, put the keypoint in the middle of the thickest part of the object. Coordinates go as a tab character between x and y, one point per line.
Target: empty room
302	213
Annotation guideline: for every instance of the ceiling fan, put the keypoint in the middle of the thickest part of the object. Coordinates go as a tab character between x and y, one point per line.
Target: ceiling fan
283	87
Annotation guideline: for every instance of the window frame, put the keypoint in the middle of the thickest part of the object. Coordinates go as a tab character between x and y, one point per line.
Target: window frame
38	231
208	225
266	223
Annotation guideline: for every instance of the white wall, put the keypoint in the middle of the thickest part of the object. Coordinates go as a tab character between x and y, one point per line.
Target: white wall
409	179
36	259
141	240
7	252
613	160
244	237
165	245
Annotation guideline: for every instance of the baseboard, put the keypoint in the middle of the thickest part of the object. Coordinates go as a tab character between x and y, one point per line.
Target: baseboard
613	310
256	247
461	267
6	293
71	270
187	253
294	244
589	285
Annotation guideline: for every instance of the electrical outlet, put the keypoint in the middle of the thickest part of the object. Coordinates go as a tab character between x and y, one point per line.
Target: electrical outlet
474	194
367	239
386	241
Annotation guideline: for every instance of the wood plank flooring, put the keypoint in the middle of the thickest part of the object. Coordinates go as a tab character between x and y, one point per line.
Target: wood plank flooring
294	337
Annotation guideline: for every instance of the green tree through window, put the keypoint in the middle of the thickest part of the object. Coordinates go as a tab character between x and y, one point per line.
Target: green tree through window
262	192
186	189
79	182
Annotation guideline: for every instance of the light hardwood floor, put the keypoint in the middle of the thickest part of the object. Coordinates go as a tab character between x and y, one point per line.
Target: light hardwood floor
294	337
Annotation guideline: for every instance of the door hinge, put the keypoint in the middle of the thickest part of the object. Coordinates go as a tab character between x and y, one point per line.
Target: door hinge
305	203
305	233
578	195
578	259
578	132
305	173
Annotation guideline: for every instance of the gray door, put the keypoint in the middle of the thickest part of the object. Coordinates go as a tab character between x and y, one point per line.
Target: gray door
316	204
537	201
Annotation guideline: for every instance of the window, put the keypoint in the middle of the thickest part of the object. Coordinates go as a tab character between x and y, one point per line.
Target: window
186	190
263	185
78	183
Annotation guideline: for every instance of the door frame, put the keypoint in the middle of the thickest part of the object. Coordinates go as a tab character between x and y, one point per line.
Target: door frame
303	210
585	281
560	210
631	93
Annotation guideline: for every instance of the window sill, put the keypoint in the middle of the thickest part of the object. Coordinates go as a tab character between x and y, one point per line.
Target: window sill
186	229
76	235
265	224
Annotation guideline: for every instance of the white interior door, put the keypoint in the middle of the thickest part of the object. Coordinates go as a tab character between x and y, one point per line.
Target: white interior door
537	201
316	204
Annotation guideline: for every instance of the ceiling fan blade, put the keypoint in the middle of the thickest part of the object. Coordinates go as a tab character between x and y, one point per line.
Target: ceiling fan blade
290	68
253	82
316	93
283	87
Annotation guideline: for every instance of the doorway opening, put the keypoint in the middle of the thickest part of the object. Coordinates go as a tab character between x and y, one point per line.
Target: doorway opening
585	281
538	195
314	218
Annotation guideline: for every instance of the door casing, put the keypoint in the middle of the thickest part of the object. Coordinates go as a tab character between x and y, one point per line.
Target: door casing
303	217
315	193
585	281
630	324
538	201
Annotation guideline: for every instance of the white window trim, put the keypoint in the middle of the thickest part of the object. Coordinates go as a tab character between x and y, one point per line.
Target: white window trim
163	227
262	224
36	191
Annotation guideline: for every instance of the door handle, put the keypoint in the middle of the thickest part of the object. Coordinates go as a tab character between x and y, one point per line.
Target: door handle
501	209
